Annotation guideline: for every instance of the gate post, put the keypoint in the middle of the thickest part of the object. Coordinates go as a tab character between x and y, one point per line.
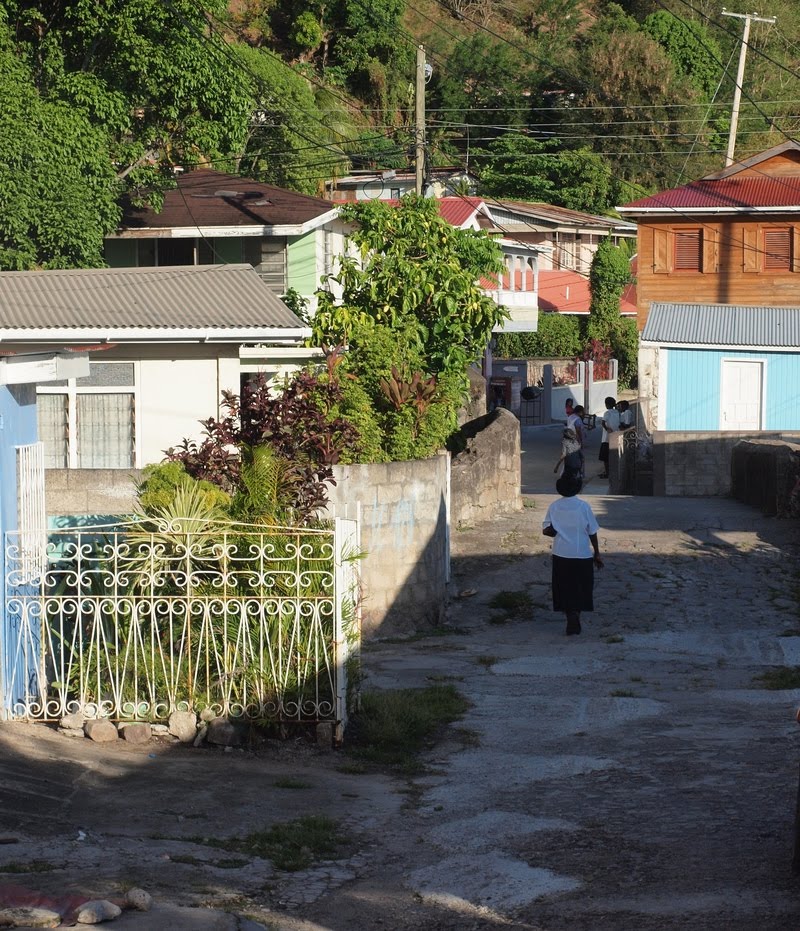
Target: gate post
346	615
547	394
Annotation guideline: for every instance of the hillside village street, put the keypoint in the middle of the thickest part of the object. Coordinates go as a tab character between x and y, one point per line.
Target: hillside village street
635	778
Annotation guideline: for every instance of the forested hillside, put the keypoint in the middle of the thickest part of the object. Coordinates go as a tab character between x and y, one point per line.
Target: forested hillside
584	103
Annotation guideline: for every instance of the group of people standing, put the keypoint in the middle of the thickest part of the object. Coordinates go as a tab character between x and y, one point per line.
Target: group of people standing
617	416
570	520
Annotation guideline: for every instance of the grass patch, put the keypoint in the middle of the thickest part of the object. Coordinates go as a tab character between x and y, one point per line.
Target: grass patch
394	727
486	661
614	638
291	846
31	866
781	677
288	782
622	693
511	603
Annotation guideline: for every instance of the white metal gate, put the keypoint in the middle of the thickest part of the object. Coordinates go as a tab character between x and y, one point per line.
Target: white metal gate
135	620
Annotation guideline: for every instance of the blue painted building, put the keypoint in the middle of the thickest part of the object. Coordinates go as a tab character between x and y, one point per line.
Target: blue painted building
722	367
19	637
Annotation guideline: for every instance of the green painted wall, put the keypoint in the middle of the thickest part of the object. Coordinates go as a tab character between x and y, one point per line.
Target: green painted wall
302	263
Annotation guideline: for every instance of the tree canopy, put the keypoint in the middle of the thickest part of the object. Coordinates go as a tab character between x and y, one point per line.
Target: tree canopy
414	270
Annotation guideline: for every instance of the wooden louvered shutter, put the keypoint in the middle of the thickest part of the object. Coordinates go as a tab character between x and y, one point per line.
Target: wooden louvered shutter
688	255
778	249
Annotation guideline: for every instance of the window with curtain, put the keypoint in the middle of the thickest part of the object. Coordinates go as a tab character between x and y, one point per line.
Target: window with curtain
89	423
51	412
778	249
105	431
688	251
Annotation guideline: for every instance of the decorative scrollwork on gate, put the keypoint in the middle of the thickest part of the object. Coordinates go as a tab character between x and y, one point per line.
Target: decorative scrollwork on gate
137	620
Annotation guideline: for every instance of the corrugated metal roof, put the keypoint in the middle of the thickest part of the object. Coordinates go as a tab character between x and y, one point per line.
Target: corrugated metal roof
723	325
174	297
212	198
733	193
457	210
561	214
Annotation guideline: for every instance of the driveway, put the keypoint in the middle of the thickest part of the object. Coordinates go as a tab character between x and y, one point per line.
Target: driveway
636	777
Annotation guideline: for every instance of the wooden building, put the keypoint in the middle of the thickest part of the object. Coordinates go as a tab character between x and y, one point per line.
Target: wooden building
718	292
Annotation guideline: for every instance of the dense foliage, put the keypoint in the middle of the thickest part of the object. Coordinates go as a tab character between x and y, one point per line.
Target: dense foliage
413	317
299	426
559	336
584	103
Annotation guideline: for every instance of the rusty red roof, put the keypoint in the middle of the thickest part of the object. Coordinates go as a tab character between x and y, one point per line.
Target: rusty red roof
212	198
733	193
458	210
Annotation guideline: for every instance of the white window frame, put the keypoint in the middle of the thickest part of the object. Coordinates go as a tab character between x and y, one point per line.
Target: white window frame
71	390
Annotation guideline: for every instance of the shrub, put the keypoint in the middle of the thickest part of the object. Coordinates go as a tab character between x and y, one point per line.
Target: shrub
558	336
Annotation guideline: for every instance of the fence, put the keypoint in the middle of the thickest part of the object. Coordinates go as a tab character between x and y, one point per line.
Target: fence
136	620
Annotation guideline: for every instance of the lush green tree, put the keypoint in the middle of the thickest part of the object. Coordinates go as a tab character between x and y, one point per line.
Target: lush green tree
58	187
151	75
609	273
526	169
414	269
690	47
290	141
631	100
413	317
486	83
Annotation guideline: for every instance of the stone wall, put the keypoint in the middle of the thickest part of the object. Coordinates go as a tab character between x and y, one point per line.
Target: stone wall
485	476
696	462
402	508
766	474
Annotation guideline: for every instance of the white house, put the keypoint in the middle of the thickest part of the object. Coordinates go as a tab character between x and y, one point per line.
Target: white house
164	342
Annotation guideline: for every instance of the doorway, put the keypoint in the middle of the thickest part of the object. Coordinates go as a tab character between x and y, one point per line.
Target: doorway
741	395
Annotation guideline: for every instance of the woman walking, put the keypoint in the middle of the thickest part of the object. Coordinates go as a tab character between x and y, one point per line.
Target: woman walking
573	526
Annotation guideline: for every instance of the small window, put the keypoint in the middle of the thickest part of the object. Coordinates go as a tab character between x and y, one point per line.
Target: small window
688	251
778	249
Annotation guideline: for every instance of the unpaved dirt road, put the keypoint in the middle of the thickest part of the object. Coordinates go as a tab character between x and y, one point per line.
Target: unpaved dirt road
635	778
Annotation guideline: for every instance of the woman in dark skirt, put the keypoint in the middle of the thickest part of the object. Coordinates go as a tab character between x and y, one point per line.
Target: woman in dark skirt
571	522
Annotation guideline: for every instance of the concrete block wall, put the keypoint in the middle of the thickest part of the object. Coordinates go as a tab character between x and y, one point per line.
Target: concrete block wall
71	492
403	512
485	476
695	462
766	474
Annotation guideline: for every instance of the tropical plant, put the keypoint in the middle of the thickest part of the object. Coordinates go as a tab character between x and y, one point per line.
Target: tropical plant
297	423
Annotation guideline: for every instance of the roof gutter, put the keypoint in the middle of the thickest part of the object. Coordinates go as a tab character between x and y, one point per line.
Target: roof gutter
154	335
686	213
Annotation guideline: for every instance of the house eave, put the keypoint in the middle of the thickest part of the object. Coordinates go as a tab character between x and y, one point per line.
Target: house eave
226	232
724	347
71	335
686	213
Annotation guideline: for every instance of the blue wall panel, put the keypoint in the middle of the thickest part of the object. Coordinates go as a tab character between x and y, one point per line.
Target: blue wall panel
17	428
693	388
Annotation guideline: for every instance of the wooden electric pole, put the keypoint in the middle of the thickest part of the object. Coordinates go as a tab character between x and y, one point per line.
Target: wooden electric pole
419	120
737	92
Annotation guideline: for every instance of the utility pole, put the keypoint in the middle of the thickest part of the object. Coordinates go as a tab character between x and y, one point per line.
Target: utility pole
419	119
737	92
